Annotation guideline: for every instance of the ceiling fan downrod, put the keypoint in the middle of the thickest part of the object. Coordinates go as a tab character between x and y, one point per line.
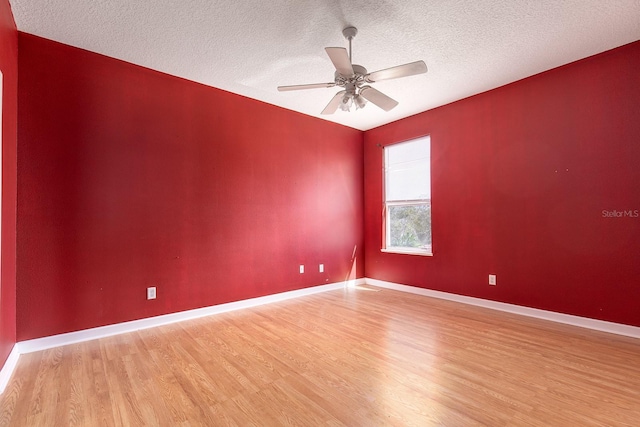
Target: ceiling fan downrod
349	33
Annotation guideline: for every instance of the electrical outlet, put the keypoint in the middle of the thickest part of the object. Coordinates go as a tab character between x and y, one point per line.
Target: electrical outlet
492	279
301	268
151	293
321	268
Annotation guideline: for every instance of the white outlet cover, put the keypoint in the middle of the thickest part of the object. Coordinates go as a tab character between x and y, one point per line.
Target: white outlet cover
151	293
301	269
492	279
321	268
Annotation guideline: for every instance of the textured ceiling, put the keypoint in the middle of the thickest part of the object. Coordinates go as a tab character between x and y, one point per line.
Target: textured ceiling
250	47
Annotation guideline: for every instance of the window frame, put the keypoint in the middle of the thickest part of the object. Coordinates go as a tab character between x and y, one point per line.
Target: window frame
386	205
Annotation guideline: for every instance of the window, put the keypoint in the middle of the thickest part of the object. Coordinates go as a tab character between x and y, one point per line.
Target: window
407	189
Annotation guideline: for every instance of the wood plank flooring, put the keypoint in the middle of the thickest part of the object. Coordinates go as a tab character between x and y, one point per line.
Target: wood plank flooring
358	357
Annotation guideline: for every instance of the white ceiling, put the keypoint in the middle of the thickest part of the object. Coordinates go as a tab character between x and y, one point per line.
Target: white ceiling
251	46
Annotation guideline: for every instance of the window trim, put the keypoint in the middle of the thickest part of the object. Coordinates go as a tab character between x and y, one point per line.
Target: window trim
409	251
386	228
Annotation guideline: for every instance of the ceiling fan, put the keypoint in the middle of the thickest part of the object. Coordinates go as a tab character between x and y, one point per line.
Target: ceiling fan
355	79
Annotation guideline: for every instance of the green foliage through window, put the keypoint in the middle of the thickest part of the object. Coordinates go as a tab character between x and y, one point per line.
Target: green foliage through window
410	226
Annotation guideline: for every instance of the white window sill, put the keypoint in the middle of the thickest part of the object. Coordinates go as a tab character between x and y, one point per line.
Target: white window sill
406	251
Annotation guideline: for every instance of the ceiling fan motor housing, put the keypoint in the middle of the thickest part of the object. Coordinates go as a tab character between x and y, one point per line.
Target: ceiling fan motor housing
352	82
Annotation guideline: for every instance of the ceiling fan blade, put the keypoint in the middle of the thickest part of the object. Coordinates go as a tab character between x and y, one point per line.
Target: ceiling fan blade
378	98
333	105
405	70
309	86
340	59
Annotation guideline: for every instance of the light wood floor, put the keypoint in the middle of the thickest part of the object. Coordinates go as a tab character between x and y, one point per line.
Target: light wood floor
344	358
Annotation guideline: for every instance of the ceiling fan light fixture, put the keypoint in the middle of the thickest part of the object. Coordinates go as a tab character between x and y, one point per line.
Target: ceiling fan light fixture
359	101
347	102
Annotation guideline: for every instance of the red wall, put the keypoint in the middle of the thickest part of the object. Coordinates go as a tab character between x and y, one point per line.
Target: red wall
9	67
130	178
520	177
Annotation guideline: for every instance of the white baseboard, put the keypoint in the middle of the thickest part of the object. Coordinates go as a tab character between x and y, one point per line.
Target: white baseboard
38	344
8	368
583	322
135	325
